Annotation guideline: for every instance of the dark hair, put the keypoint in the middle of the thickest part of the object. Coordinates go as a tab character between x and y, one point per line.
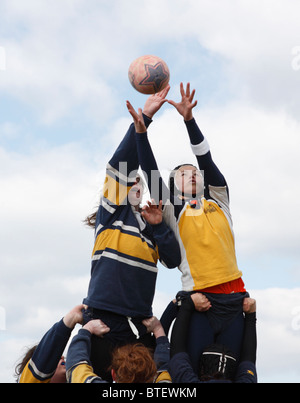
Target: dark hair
90	220
22	364
217	362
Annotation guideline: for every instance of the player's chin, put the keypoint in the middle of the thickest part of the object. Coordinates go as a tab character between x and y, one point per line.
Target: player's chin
135	200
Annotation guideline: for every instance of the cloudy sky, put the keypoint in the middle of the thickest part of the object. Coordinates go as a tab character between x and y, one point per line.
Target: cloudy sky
63	87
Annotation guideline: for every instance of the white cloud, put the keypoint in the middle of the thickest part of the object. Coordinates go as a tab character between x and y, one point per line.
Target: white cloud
44	199
9	131
60	61
278	335
256	38
65	56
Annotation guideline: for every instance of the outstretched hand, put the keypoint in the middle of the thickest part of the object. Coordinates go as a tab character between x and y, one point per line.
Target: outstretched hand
152	105
155	102
185	107
138	119
153	213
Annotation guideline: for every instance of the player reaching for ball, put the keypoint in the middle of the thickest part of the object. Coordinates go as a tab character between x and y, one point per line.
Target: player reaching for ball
196	207
128	244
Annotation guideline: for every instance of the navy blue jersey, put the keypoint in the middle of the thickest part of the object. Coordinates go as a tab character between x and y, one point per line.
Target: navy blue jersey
127	249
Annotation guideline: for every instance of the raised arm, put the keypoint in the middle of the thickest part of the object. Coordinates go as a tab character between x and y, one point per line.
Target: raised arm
158	189
162	350
45	360
122	168
79	367
199	144
121	173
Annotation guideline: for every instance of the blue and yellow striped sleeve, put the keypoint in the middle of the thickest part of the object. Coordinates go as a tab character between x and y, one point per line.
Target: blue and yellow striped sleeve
122	169
78	365
47	355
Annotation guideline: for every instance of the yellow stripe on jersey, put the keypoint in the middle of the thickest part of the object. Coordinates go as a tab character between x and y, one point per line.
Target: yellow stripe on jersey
126	244
209	245
28	377
114	191
82	373
163	377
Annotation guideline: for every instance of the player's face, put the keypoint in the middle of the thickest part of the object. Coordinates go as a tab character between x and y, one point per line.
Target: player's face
189	180
135	194
60	373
